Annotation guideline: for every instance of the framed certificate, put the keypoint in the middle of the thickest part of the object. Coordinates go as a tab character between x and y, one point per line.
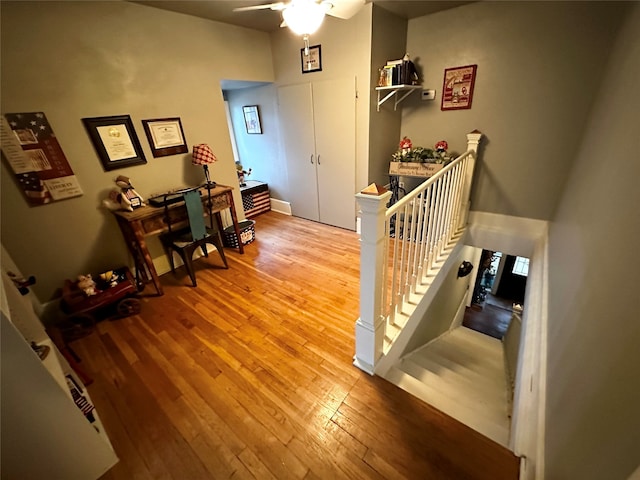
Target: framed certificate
165	136
115	141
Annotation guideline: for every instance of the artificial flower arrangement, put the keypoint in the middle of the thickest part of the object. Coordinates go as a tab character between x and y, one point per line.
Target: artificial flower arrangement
407	153
419	161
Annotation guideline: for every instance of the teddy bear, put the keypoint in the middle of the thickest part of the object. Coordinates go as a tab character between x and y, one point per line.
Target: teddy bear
87	285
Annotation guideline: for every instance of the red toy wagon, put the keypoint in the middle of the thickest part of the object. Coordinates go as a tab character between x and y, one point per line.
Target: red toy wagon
115	297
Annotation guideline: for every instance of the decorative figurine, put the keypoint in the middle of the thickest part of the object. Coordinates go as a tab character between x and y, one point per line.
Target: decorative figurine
126	199
241	173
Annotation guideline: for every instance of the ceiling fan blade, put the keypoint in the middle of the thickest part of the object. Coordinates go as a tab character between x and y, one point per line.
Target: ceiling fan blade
344	9
270	6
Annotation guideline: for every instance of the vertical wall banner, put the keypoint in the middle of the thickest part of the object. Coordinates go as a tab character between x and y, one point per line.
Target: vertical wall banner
36	158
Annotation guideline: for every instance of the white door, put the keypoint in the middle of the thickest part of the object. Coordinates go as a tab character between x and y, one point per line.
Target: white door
296	120
334	114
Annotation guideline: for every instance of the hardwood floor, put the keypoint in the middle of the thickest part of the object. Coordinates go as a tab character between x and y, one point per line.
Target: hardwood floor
250	375
492	317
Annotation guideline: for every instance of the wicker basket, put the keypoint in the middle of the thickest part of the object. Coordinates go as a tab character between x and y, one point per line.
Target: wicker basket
247	234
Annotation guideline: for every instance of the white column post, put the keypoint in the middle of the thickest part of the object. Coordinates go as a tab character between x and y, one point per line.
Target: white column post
473	140
371	324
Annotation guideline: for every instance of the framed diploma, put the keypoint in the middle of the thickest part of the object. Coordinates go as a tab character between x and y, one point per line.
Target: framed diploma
165	136
115	141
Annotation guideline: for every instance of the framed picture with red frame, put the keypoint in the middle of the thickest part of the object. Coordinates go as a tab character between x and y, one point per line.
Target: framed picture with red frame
457	89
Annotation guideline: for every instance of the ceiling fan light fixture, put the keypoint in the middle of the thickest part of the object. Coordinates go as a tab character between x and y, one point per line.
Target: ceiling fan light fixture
304	17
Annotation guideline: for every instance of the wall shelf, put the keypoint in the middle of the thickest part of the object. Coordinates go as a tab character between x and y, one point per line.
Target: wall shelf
394	91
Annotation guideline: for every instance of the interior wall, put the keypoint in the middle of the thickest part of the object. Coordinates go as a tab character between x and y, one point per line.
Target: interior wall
72	60
345	54
260	152
388	42
593	420
444	306
539	66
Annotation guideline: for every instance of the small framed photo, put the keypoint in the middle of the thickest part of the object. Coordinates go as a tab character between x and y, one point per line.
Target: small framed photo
313	61
165	136
115	141
457	89
252	119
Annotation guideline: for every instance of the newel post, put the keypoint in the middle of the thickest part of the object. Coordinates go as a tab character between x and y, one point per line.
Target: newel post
371	324
473	141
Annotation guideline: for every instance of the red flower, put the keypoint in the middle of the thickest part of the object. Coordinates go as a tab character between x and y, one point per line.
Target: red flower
442	146
405	143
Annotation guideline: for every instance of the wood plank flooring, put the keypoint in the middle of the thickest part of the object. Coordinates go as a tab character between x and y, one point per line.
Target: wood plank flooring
250	375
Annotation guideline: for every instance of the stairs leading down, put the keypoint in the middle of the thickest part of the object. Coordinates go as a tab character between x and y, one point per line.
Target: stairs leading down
462	374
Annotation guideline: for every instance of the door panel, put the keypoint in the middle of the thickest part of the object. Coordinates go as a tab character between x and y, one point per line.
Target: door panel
296	123
334	114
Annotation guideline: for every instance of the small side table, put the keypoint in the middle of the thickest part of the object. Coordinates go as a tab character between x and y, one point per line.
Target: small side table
255	198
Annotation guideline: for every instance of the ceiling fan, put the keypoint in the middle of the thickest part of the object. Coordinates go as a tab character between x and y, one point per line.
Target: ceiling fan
305	16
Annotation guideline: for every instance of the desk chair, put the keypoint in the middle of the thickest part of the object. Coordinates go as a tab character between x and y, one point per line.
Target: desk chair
186	240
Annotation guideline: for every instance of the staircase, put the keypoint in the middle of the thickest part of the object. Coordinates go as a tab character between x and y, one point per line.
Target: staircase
404	253
462	374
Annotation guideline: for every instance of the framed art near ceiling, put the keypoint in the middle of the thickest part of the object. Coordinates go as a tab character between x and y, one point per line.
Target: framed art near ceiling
165	136
457	89
252	119
313	61
115	141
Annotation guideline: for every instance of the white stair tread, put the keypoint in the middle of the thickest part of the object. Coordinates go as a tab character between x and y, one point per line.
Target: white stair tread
489	383
488	403
462	374
496	430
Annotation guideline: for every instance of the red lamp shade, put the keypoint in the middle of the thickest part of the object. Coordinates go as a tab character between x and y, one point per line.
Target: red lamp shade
203	155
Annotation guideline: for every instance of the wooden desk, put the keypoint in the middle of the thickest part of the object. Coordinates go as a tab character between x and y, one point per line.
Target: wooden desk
148	220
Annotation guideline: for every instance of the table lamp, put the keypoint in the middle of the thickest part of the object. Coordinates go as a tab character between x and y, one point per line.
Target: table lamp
203	155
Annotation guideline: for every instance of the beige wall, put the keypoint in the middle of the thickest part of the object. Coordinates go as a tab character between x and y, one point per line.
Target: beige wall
345	53
85	59
388	42
593	392
539	66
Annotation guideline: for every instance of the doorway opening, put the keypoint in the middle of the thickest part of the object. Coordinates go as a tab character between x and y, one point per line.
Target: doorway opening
499	286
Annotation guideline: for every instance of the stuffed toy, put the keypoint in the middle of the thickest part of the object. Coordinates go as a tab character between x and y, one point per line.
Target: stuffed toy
109	279
87	285
126	199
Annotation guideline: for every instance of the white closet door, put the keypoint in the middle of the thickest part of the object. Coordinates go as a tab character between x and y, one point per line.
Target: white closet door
296	123
334	106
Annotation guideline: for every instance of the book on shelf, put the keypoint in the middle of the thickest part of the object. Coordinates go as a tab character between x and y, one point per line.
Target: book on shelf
387	76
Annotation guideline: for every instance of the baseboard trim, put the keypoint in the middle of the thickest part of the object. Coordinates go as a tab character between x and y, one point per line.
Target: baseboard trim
280	206
459	316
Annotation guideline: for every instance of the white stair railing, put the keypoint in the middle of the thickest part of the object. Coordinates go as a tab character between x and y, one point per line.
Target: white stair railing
402	247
